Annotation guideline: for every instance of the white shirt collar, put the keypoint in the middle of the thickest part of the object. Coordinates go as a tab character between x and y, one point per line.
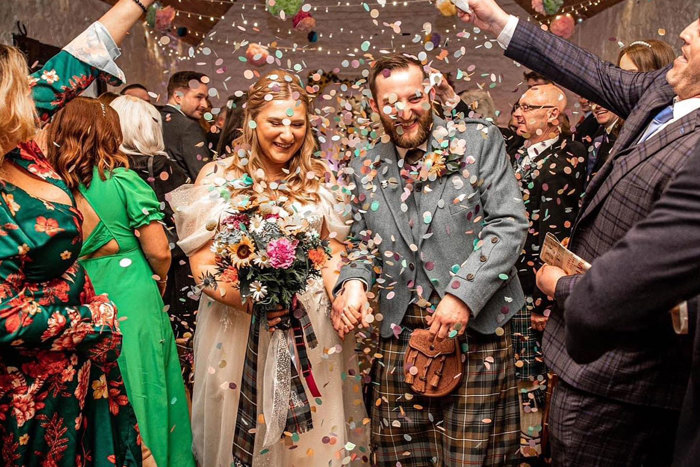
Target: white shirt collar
538	148
684	107
402	151
176	107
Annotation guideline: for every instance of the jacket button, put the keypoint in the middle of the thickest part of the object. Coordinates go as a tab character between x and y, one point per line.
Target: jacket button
482	259
470	277
494	240
411	266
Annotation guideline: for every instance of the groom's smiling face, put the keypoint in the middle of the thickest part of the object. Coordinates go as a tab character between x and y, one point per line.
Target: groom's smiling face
404	106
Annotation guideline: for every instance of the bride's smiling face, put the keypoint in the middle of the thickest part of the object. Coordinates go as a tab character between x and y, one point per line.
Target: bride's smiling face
281	130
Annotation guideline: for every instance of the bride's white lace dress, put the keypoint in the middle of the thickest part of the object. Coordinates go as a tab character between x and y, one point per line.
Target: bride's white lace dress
220	342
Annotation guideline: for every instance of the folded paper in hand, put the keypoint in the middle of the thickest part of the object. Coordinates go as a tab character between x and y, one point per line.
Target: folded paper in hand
555	254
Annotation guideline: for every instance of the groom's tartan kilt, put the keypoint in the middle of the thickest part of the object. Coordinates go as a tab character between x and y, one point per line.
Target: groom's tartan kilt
478	424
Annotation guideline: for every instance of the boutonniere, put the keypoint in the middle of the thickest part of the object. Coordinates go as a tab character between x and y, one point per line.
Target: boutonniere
441	162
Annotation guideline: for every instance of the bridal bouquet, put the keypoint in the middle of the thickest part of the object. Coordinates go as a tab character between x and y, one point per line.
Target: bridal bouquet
270	254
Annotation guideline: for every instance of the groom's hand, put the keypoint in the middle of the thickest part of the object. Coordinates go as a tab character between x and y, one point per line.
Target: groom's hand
451	313
485	14
350	308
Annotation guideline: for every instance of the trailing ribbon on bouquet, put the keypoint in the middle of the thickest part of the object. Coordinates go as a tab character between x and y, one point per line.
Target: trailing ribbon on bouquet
286	406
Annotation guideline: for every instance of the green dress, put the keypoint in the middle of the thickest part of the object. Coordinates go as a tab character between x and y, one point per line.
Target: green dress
149	360
62	397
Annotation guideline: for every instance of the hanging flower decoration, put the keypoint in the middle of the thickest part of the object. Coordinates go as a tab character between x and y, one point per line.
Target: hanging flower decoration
552	7
446	7
160	18
257	55
563	26
284	8
304	22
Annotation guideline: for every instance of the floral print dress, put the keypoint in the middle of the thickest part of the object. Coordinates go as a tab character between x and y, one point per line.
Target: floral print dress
62	398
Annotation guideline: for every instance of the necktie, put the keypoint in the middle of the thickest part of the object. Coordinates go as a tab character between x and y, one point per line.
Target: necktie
661	118
414	155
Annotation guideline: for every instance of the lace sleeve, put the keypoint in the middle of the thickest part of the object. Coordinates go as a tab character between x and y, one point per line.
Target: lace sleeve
336	212
196	211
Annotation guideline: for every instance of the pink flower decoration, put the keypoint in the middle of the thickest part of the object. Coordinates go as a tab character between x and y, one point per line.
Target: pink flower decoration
304	22
257	54
538	6
281	253
563	26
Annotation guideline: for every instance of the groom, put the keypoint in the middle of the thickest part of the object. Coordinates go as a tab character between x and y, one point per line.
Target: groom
438	226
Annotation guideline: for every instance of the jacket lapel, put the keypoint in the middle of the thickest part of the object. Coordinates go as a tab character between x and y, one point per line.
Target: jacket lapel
393	190
432	191
615	169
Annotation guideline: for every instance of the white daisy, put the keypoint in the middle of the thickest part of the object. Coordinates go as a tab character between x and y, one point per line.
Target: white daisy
262	260
257	224
258	290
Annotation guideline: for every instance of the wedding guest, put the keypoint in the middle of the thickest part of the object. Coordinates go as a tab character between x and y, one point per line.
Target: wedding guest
603	140
232	128
587	126
143	145
622	408
647	55
551	171
62	398
126	254
136	90
185	141
275	152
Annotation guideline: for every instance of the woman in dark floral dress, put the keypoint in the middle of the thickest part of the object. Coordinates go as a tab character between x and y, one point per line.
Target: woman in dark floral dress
62	398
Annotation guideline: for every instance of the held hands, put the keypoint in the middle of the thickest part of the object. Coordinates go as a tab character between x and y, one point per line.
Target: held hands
451	313
538	322
547	278
274	317
485	14
350	308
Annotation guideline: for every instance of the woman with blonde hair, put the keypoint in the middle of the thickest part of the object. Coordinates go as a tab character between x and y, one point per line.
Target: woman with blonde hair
126	254
276	153
62	398
144	147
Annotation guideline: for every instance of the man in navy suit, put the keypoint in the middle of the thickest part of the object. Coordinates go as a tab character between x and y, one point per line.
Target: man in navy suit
621	408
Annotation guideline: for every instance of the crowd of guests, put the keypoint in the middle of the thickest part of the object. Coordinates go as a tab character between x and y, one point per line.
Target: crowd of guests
123	345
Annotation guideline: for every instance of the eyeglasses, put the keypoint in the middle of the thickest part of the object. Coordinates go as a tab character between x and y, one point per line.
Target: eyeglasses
527	108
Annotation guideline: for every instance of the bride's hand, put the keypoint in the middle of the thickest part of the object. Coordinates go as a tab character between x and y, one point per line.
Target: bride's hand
274	317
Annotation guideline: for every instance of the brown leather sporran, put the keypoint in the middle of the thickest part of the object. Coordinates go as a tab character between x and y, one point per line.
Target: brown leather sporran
432	368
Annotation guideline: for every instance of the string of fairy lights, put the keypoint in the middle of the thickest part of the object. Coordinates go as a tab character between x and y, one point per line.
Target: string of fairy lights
166	42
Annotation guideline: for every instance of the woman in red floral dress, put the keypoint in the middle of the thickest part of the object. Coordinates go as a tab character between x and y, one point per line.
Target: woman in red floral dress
62	398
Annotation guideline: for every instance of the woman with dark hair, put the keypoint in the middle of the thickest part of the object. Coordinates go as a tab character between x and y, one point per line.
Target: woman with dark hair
232	128
126	254
62	398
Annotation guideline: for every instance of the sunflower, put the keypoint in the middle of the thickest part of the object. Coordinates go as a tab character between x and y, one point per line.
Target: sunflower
242	252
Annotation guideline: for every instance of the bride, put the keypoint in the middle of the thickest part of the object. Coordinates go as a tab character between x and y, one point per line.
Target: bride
276	152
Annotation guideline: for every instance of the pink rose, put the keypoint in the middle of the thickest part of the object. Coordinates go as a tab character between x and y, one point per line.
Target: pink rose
281	252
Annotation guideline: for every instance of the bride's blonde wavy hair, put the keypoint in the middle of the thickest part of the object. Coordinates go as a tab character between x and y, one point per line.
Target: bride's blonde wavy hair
306	171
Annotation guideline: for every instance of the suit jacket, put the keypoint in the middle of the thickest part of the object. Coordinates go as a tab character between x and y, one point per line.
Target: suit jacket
552	187
619	196
584	131
624	298
185	141
464	237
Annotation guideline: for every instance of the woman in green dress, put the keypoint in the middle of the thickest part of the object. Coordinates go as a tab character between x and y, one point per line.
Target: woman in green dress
62	398
126	254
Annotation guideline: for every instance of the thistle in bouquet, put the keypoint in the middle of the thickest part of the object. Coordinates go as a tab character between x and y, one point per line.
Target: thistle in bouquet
270	255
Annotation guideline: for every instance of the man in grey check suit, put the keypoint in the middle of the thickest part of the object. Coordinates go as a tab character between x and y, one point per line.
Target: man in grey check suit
621	408
438	226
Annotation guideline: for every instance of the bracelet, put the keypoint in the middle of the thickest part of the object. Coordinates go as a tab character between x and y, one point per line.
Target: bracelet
141	5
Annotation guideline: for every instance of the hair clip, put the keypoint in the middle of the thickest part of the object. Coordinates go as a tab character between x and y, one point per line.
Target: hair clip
645	44
104	111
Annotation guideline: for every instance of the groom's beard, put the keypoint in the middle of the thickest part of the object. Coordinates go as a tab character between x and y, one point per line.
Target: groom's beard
425	122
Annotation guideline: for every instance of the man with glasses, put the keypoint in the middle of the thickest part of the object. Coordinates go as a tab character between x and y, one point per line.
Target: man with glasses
551	170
